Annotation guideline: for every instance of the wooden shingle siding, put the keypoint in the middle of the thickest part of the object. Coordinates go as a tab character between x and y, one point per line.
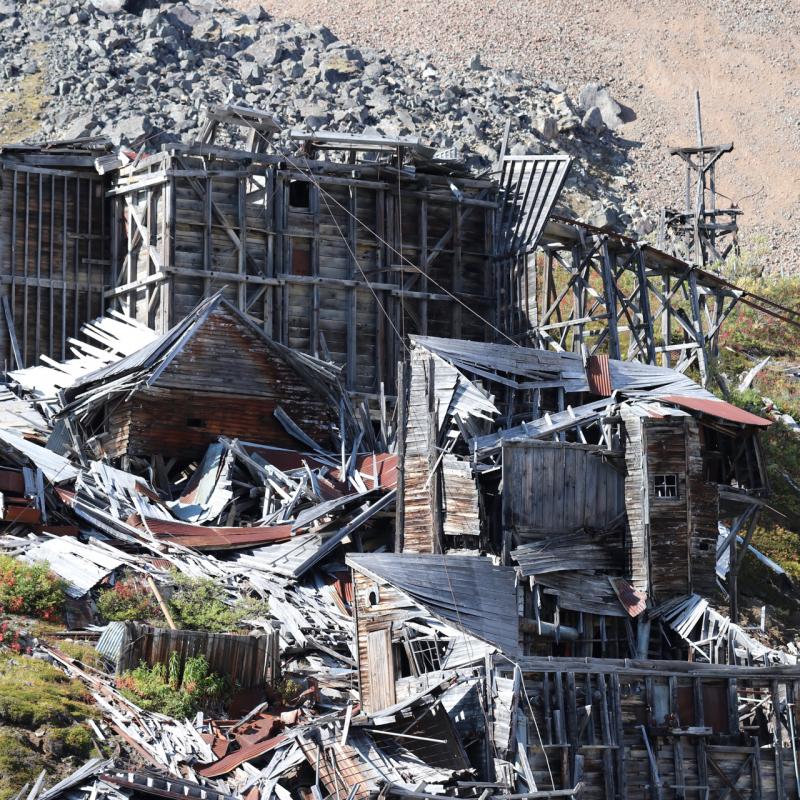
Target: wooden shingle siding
672	540
460	500
422	533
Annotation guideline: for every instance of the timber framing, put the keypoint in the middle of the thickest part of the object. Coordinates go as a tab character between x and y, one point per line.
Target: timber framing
54	248
339	260
592	291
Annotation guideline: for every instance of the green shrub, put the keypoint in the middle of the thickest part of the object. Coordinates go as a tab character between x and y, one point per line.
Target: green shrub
29	589
196	605
33	693
74	740
129	599
167	690
78	740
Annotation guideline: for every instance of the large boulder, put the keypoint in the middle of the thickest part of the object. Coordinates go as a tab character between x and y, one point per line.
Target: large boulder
594	95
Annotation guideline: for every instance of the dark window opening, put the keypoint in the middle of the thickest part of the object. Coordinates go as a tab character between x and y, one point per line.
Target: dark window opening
665	486
299	194
373	595
195	422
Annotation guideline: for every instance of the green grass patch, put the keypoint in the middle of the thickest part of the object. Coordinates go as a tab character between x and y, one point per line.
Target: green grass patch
36	696
85	652
20	763
164	688
34	693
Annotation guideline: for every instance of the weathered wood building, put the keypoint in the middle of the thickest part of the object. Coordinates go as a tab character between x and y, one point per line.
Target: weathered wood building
603	483
213	374
337	257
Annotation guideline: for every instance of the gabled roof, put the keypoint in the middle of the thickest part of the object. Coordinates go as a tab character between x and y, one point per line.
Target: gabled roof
468	592
145	366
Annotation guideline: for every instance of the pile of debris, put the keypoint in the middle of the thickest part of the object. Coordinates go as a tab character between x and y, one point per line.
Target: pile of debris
466	588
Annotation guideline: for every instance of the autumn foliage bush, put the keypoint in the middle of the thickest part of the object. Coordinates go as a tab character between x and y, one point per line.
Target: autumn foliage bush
128	599
29	589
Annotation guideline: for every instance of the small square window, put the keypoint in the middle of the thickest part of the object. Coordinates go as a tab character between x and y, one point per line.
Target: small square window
665	486
299	194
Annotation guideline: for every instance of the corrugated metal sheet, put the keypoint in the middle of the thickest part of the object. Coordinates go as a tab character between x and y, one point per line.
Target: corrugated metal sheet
284	558
110	642
632	600
599	375
716	408
565	553
56	468
530	186
206	537
81	566
469	592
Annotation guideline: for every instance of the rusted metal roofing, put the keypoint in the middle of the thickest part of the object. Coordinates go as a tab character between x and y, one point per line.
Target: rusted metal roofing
233	760
716	408
633	601
204	537
599	375
152	783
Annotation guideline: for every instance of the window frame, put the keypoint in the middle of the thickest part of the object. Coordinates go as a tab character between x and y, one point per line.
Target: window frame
666	481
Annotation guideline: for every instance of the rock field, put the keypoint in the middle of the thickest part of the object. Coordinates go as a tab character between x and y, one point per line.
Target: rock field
140	71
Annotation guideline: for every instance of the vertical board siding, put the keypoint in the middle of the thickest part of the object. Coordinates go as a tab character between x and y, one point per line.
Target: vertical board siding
558	487
248	661
55	242
314	277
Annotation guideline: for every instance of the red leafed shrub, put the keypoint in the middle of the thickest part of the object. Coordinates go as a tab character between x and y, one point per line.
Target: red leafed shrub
10	637
129	599
29	589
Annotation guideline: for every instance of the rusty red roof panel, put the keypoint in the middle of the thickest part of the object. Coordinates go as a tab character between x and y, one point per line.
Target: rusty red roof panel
384	464
204	537
233	760
598	375
716	408
633	601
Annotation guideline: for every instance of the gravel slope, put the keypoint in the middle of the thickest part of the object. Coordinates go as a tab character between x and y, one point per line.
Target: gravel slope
653	54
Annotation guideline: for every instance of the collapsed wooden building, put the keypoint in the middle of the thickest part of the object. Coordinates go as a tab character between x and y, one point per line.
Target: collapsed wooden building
529	521
338	247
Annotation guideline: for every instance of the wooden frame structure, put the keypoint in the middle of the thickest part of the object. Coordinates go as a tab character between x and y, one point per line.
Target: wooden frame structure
662	730
340	260
702	233
54	248
591	291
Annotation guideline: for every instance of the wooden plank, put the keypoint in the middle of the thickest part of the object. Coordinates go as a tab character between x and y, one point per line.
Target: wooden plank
381	670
